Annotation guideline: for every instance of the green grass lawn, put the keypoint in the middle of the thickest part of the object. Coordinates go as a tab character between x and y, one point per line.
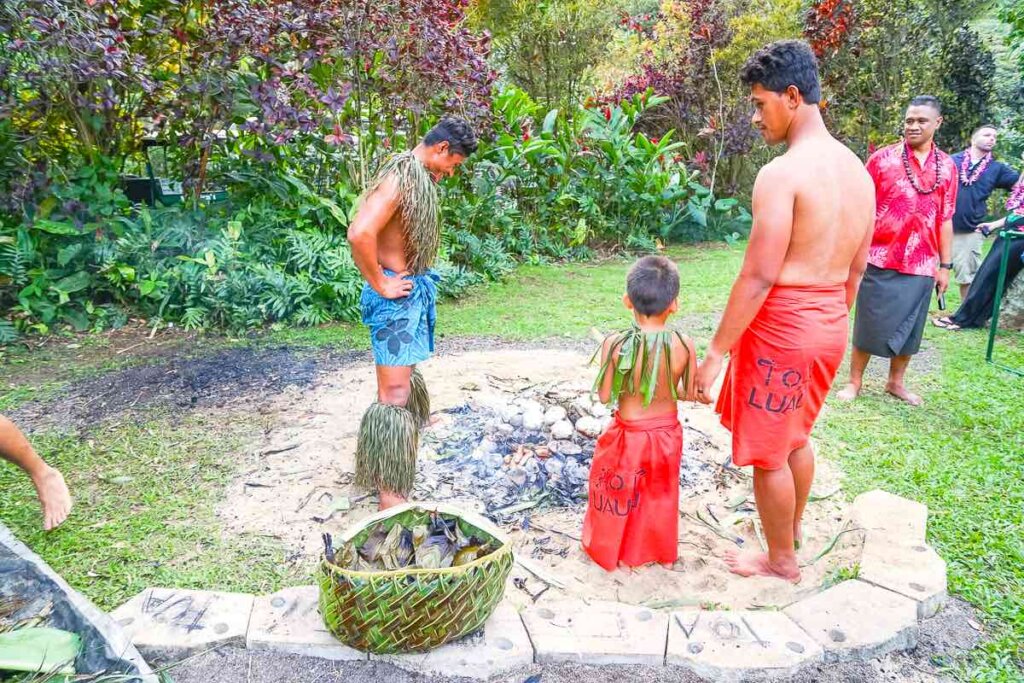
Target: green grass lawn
962	454
144	497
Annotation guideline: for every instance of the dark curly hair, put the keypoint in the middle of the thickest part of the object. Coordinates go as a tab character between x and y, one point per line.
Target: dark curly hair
782	64
456	132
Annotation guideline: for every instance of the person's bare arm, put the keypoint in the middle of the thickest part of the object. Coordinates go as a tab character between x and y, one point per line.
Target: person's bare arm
773	201
766	252
50	487
604	392
859	264
373	216
945	254
685	369
992	226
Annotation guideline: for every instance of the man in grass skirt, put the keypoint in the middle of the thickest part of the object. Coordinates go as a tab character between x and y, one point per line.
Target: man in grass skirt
395	237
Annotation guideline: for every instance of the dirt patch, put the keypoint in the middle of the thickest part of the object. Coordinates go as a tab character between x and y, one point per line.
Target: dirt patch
227	378
40	359
297	484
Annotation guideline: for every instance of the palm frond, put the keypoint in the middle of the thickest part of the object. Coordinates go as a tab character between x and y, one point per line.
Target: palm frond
419	205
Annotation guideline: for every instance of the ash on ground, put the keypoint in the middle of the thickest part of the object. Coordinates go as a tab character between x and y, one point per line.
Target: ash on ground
511	457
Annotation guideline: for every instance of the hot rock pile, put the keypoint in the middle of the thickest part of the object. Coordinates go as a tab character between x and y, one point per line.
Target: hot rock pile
533	450
511	456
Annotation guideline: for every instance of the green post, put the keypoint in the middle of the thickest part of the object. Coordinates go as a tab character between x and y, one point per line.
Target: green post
1008	236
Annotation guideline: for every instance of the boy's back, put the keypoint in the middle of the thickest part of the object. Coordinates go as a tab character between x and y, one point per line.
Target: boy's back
679	362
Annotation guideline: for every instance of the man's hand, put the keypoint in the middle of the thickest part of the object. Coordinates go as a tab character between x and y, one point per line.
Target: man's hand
707	373
986	228
395	287
942	280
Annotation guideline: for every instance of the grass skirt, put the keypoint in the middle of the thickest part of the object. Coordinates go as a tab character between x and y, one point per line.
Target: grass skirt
386	450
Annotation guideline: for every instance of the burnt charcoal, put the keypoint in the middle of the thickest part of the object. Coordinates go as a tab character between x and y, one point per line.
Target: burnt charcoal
470	464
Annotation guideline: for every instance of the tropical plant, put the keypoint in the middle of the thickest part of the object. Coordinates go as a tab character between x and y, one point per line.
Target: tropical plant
549	48
967	78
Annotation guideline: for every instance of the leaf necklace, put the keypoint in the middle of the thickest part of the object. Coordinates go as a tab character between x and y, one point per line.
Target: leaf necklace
641	350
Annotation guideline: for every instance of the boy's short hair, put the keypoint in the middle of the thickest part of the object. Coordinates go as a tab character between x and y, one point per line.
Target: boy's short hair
652	285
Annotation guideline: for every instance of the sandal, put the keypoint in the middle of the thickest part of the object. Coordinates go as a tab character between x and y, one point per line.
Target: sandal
945	323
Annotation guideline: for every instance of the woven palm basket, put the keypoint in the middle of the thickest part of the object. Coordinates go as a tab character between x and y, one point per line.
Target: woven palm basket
413	610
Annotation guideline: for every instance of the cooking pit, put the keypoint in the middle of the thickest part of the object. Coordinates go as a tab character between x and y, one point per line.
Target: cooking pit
512	437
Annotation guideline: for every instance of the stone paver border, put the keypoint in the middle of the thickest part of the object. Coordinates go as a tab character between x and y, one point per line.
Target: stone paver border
901	581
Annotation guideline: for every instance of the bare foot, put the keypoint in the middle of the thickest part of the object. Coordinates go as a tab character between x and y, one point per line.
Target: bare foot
849	392
900	392
54	497
389	499
758	564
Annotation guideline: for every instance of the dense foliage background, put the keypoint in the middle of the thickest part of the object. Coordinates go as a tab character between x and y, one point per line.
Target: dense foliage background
605	125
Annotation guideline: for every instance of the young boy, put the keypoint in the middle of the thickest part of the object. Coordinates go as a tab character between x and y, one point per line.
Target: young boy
633	512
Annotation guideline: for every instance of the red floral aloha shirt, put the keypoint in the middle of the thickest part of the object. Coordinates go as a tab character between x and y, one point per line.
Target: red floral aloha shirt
907	223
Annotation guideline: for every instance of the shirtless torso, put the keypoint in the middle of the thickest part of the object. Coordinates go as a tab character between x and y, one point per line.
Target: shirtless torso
813	216
391	247
832	210
380	235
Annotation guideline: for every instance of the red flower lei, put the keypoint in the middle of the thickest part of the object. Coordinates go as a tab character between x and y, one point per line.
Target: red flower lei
965	167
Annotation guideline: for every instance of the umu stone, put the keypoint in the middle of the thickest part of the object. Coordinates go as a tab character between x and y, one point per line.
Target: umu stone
567	448
532	421
583	405
554	414
508	412
528	405
518	476
589	427
561	430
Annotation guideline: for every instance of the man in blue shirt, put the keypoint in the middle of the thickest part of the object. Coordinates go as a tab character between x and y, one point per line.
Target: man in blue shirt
979	176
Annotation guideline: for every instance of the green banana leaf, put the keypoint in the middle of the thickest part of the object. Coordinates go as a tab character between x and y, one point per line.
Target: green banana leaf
39	649
632	349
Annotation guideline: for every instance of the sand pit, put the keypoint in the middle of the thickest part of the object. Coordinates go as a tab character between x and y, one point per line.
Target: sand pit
297	484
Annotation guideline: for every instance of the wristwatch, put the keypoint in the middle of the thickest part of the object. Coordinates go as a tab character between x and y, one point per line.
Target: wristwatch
947	266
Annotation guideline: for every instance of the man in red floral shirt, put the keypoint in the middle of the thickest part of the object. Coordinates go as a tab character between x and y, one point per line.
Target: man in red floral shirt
911	250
